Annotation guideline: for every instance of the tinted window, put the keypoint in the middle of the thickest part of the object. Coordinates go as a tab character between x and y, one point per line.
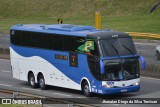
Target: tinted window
95	51
117	46
15	37
94	66
46	41
36	40
69	43
57	42
25	38
72	43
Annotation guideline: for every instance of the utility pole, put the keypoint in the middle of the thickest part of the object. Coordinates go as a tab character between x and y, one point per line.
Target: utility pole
97	16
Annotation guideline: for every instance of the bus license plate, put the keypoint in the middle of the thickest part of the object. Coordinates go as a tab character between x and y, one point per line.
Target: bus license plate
124	90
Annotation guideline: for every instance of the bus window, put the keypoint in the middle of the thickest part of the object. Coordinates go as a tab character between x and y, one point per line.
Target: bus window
95	51
88	47
16	37
57	42
94	66
71	43
37	40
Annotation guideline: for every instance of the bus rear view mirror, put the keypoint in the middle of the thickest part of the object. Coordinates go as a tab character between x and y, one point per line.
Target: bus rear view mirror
143	64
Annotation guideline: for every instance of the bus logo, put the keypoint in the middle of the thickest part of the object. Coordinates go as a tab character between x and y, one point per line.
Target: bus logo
123	85
62	57
114	36
73	58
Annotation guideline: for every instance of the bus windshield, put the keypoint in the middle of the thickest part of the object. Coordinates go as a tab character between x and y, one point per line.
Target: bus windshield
117	47
121	69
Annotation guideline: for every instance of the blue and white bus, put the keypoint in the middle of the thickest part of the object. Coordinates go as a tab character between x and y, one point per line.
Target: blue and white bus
75	57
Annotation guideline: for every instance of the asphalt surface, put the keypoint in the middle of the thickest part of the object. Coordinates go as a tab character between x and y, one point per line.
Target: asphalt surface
149	89
147	50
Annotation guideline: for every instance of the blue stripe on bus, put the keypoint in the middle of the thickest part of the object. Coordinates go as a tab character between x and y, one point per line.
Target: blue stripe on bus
63	65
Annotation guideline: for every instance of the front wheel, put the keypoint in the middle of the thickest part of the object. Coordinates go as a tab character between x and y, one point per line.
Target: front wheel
85	89
41	82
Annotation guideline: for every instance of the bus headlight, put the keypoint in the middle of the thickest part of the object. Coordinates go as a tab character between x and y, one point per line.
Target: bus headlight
137	83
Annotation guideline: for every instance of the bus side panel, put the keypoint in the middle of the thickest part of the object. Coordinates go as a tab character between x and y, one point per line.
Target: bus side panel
43	61
35	65
14	64
58	77
73	72
15	68
22	73
61	75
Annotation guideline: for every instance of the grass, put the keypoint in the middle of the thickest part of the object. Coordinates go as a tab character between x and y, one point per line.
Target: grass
121	15
73	8
129	23
135	23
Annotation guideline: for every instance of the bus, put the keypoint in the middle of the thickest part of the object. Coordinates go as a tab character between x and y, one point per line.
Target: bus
75	57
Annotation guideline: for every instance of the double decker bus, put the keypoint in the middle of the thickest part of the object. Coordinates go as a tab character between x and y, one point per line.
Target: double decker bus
75	57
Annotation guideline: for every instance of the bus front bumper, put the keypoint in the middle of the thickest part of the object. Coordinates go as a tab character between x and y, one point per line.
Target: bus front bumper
117	90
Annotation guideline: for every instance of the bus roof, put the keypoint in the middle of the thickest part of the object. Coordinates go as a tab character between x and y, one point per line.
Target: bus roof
67	29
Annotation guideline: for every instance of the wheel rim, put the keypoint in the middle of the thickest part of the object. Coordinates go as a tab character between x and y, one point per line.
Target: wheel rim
86	89
41	82
32	81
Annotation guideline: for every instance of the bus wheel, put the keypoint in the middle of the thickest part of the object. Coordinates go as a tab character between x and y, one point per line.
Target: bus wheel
41	82
31	80
85	89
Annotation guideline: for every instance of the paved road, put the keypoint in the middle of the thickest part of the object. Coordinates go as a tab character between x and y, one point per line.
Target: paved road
149	89
147	50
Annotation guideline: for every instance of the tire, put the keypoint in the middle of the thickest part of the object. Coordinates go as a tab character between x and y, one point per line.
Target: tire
31	80
85	89
157	55
41	82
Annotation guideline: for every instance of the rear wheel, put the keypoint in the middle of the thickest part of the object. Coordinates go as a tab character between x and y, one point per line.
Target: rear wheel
41	82
85	89
157	55
31	80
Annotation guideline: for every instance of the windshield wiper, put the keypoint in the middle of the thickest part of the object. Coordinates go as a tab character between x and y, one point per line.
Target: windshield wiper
128	49
115	49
